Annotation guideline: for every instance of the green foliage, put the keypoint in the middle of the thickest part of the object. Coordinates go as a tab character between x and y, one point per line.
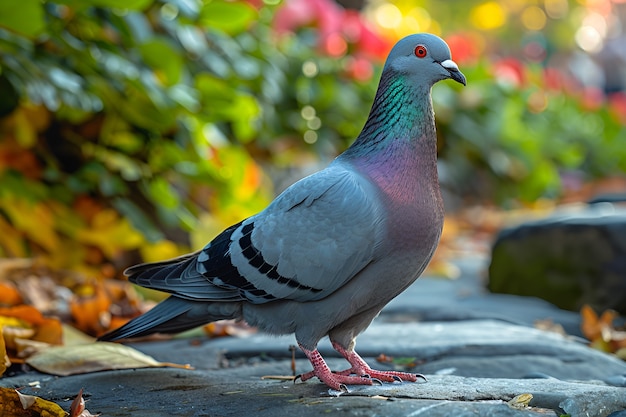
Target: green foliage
507	143
142	125
150	112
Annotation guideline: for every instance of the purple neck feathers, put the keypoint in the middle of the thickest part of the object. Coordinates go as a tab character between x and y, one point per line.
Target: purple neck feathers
397	147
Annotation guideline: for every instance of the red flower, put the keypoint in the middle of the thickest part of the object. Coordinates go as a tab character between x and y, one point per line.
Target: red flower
617	105
510	71
463	47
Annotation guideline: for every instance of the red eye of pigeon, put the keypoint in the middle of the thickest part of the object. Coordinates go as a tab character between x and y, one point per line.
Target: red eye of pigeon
420	51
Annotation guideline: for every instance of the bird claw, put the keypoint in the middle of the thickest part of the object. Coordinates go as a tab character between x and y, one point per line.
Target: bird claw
422	377
396	378
377	381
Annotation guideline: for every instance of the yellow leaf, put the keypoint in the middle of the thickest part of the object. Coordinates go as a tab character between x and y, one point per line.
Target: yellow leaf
164	249
72	336
24	131
10	240
33	324
521	401
36	220
99	356
16	404
4	358
110	233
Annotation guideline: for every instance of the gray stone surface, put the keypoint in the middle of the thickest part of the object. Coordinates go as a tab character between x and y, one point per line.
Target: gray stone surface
477	350
570	258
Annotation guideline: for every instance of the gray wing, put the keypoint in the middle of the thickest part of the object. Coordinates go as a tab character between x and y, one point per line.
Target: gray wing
316	236
312	239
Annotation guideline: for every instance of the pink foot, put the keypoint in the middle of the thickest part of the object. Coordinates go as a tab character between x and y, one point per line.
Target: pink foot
360	367
321	370
359	374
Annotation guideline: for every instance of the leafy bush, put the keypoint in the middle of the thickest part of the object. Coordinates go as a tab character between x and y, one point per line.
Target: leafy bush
140	128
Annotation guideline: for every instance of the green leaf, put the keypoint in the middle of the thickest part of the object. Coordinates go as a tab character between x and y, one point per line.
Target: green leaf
230	17
167	63
25	17
121	4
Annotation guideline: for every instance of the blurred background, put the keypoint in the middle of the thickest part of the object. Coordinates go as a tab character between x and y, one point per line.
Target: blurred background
135	130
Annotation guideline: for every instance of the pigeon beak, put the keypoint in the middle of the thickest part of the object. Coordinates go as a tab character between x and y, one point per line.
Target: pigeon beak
454	71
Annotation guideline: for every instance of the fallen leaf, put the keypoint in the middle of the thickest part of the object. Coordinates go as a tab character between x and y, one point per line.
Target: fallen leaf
9	295
4	358
13	328
521	401
46	329
78	405
600	331
224	328
15	404
72	336
99	356
88	307
77	408
279	377
28	347
593	326
398	362
550	326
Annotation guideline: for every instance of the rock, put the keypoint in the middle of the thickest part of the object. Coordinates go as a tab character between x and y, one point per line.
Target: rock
475	352
465	298
476	348
571	258
241	391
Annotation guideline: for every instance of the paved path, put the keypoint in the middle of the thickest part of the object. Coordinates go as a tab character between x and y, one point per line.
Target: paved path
478	351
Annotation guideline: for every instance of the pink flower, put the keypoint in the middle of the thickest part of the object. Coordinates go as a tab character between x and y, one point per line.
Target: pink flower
340	31
359	68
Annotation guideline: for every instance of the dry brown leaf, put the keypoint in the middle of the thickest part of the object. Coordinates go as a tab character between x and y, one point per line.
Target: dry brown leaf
90	303
593	326
9	295
78	405
601	330
13	328
99	356
9	265
28	347
77	408
47	330
16	404
224	328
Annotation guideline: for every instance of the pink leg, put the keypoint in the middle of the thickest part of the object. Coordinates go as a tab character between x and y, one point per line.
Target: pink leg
361	368
321	370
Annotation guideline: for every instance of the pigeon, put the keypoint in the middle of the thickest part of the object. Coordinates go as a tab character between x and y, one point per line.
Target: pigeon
326	255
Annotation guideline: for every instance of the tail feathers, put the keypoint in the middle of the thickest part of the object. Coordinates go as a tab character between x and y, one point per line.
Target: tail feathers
180	276
174	315
135	269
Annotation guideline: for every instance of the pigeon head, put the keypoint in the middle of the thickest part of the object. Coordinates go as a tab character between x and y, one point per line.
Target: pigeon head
424	57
